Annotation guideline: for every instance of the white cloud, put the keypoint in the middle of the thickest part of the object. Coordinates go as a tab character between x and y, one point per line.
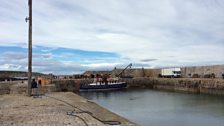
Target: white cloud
10	67
101	65
175	32
14	55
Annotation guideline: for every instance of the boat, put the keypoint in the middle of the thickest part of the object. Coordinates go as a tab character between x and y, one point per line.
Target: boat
102	86
105	82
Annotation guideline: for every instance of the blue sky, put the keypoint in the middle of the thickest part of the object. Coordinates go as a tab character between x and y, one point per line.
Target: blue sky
57	60
72	36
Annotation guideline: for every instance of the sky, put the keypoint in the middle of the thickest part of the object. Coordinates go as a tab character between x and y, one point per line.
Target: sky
72	36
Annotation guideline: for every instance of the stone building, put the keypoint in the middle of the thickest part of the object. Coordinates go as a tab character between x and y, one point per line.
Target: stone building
91	74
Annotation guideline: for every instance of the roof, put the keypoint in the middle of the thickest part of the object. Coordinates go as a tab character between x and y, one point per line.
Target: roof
97	72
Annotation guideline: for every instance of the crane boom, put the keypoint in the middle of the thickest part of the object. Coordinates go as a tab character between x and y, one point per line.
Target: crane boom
124	69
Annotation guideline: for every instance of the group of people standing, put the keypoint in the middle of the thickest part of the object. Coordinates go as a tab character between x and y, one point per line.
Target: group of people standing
104	79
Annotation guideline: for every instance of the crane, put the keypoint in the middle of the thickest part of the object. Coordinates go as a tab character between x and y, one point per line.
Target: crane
129	66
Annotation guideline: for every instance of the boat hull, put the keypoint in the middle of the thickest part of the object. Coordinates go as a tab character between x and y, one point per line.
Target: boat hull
114	86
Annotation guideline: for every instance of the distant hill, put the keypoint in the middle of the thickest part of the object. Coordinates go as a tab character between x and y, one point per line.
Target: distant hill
10	74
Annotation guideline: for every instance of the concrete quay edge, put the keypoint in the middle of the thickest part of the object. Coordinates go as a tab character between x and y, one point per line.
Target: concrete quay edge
56	108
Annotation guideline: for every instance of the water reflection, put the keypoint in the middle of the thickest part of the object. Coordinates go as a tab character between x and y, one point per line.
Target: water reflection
150	107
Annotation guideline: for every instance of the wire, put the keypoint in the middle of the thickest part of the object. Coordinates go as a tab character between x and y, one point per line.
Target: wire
109	122
72	114
81	119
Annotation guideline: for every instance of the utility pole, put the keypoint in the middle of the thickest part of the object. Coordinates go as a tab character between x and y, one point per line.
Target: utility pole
29	91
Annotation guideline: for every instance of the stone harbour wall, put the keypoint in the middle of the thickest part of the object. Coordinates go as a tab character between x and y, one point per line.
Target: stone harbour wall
70	85
196	85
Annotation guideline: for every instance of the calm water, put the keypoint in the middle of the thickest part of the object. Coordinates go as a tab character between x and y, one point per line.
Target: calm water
159	108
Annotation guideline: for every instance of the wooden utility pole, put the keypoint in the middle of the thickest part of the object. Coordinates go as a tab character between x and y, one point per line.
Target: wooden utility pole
30	48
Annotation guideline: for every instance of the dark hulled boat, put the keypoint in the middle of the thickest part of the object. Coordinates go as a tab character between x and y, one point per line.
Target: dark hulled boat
98	86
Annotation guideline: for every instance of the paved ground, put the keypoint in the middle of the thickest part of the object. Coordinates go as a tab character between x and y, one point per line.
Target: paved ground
55	109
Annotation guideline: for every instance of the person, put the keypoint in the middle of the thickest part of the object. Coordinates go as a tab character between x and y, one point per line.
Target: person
105	79
97	78
100	79
39	82
34	87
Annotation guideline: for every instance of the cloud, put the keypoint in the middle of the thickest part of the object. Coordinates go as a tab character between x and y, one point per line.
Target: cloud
57	61
44	56
175	32
10	67
148	60
14	55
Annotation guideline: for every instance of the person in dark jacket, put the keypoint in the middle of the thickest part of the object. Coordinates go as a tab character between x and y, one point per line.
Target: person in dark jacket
34	87
34	84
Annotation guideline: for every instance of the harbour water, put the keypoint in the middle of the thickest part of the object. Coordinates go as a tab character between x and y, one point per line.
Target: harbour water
160	108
